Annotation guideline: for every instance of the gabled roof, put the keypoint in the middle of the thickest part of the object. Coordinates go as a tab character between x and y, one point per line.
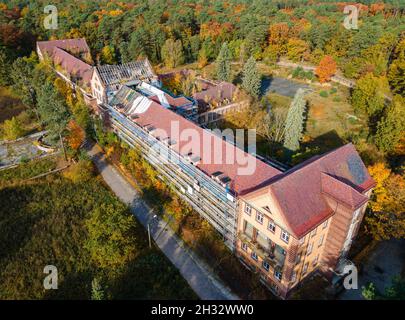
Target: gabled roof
300	192
116	74
72	65
71	45
167	124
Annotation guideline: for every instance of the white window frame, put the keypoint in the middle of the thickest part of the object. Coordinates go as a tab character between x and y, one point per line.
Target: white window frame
315	260
266	263
302	240
248	209
244	246
310	247
313	233
261	215
325	224
305	268
271	226
285	236
320	242
253	254
294	276
278	275
298	258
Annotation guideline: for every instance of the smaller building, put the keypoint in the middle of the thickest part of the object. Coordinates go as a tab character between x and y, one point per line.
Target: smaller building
214	95
108	79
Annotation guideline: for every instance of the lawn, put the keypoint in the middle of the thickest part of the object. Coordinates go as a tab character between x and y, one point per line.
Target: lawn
51	221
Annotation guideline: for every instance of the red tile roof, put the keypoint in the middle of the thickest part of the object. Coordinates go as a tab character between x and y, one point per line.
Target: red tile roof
300	191
341	192
72	65
162	119
71	45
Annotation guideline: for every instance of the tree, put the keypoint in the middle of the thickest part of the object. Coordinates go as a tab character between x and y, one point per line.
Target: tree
296	49
396	291
52	110
391	127
22	75
273	126
294	123
111	236
326	69
396	72
107	55
97	292
76	135
12	129
5	68
251	78
172	53
369	94
387	217
223	63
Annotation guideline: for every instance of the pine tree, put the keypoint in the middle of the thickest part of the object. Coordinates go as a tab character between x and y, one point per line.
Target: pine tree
295	122
251	79
97	292
52	110
224	63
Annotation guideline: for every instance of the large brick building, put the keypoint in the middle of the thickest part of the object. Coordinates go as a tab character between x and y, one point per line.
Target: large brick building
282	224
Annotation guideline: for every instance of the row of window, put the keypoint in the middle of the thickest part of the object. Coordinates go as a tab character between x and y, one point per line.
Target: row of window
266	266
271	226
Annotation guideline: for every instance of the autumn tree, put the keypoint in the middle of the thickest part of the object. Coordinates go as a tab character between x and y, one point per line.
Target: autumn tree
387	217
172	53
369	94
223	63
391	127
326	69
107	55
251	78
278	36
294	123
296	49
76	135
273	126
12	129
111	236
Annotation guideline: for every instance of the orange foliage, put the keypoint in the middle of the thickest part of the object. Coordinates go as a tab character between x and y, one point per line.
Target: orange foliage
326	69
278	33
76	135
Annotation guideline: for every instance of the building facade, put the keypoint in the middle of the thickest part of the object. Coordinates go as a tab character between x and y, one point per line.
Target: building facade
284	224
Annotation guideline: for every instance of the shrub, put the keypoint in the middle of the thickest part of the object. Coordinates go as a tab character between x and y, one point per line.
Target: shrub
323	94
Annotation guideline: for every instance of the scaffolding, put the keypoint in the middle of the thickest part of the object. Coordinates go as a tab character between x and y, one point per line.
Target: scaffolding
213	201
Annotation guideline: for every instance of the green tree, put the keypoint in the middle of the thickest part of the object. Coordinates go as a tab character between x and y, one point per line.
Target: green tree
396	291
369	94
52	110
12	129
111	241
294	123
251	78
97	292
391	127
5	68
223	63
396	73
22	75
172	53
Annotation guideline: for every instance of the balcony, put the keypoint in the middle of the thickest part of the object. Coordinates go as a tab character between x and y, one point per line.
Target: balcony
271	254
